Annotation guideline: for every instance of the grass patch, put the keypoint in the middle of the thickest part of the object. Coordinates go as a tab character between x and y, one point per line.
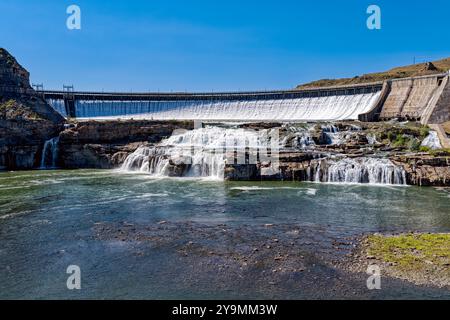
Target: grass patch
415	70
7	105
445	152
411	251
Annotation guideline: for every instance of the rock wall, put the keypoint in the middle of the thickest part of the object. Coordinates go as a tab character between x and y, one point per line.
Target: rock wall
26	120
13	77
425	170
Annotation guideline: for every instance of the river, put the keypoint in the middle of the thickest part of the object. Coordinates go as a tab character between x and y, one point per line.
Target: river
135	236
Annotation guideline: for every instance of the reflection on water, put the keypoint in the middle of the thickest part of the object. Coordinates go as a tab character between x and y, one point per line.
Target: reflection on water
47	220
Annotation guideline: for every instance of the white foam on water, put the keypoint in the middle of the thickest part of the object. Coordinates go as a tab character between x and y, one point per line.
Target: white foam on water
256	188
330	108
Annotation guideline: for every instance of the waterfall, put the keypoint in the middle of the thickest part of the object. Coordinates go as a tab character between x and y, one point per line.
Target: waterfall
205	152
50	154
298	137
327	108
359	170
201	152
332	133
58	105
432	141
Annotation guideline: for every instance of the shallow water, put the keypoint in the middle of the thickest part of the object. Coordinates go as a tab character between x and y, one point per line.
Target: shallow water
48	221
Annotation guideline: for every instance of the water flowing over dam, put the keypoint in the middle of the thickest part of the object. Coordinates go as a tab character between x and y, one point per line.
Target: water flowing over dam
423	98
334	103
301	109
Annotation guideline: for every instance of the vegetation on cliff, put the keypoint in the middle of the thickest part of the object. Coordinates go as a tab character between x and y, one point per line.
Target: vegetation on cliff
12	109
26	120
420	69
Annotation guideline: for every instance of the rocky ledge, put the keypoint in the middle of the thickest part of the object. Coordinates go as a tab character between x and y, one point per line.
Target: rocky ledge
106	144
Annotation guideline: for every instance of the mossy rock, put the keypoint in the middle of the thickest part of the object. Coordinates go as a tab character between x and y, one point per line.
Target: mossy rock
411	251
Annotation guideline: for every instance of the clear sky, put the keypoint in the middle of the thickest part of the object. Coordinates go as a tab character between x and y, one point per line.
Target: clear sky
216	45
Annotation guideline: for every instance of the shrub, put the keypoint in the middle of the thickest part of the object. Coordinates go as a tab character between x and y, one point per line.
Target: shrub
424	132
414	145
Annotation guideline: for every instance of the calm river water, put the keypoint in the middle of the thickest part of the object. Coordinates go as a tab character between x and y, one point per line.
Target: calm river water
101	221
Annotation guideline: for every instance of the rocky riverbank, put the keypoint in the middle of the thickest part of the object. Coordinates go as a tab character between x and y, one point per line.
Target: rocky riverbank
269	259
422	259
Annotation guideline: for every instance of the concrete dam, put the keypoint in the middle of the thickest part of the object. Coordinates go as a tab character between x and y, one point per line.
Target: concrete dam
426	99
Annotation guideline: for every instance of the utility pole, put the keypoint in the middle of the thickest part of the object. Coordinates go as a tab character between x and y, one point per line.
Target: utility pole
39	88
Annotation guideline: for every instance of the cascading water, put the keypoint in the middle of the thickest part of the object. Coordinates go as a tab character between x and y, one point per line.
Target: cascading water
432	141
360	170
205	152
328	108
49	155
297	137
201	152
332	134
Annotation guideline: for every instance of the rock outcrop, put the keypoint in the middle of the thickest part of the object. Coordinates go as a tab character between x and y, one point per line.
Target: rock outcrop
26	120
105	145
425	170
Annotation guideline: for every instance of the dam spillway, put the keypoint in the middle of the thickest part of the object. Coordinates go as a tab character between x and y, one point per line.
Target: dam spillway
330	104
300	109
424	99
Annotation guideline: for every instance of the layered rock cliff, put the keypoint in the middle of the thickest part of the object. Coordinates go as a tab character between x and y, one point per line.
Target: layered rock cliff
26	120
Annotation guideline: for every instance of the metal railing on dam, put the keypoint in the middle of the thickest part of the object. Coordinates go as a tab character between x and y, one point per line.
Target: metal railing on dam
271	94
331	103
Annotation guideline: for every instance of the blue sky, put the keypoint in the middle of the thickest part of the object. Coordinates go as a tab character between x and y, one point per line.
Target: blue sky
217	45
